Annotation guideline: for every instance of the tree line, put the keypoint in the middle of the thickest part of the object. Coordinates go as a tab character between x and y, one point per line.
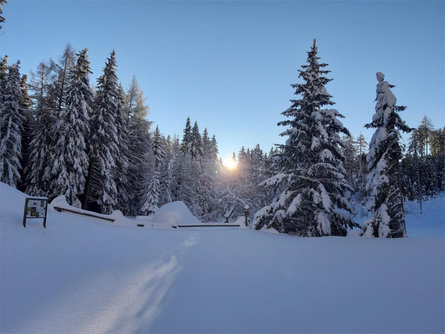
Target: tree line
60	135
93	144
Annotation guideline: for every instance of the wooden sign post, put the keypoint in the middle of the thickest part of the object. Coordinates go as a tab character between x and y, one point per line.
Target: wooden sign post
246	215
35	208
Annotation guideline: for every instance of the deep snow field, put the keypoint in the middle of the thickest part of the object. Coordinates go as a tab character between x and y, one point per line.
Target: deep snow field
81	275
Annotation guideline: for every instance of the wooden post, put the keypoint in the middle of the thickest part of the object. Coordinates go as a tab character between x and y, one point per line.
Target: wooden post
46	214
24	213
246	215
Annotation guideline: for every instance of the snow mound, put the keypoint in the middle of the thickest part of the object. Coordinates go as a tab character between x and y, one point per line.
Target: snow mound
60	202
241	221
12	203
173	214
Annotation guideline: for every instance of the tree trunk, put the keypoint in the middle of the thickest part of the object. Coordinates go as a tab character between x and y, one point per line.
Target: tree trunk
88	184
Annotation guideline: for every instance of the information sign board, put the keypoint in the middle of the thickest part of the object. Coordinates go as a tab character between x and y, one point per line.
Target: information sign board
35	207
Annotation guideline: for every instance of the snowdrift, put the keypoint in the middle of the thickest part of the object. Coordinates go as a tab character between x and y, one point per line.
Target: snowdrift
173	214
79	276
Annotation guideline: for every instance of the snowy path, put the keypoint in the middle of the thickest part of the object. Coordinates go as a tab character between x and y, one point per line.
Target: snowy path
136	303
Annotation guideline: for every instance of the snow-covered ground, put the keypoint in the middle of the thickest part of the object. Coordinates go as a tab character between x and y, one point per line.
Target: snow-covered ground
431	223
85	276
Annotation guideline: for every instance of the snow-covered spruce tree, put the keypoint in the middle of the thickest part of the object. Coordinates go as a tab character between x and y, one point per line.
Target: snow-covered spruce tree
3	72
154	187
11	127
206	144
71	131
314	198
384	179
196	143
187	137
214	148
101	188
199	202
187	170
3	78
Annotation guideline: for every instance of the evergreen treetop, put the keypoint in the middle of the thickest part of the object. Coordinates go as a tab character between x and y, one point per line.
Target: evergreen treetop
187	137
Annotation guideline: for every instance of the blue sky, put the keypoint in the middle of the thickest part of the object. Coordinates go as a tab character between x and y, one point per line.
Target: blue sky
229	64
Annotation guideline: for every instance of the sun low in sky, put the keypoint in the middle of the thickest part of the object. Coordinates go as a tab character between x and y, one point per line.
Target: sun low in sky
230	163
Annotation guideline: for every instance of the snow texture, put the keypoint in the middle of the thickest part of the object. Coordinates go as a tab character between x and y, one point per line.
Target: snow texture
83	276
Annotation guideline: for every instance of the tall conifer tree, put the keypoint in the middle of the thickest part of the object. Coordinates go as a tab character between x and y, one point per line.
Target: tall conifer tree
314	198
104	150
71	133
196	143
11	127
384	180
187	137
